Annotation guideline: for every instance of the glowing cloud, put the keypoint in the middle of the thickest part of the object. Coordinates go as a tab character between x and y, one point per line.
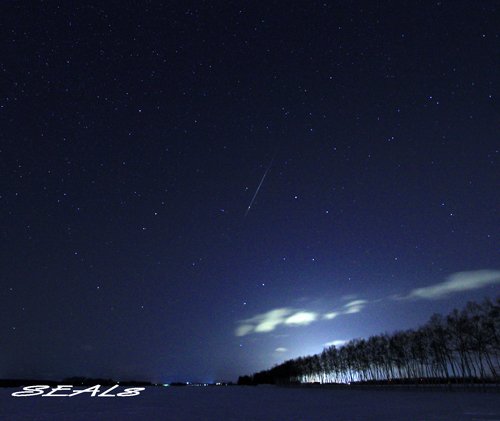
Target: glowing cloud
331	315
337	343
267	322
280	349
354	306
244	330
302	318
456	282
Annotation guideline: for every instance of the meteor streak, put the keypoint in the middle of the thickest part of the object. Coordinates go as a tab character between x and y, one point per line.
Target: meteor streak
258	187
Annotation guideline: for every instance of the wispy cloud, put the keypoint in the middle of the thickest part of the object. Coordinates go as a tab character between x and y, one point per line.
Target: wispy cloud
331	315
290	317
456	282
302	318
267	322
281	349
338	342
354	306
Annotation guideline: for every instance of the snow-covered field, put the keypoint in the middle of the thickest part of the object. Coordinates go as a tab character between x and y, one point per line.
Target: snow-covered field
258	403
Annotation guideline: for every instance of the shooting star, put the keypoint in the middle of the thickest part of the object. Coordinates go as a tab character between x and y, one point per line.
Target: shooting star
258	187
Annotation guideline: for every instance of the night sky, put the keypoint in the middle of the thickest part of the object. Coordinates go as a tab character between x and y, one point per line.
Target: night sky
135	135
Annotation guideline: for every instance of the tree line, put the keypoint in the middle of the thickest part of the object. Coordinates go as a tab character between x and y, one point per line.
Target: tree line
463	347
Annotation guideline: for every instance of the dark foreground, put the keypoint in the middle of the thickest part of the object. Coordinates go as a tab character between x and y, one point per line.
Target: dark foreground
259	403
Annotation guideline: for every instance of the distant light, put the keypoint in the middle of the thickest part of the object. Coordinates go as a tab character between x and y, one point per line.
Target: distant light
166	384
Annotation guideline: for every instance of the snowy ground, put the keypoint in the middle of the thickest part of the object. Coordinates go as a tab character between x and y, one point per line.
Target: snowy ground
258	403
